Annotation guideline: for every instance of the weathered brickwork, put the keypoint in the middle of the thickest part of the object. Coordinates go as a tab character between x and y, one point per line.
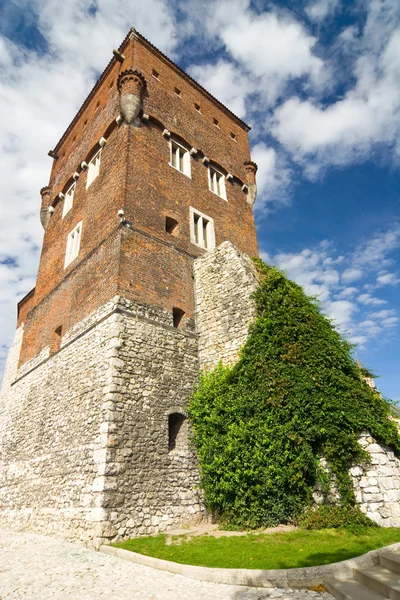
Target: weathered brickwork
224	282
136	176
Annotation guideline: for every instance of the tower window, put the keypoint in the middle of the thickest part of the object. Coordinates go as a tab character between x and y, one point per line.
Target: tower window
179	157
178	92
216	182
197	107
171	225
68	200
216	122
201	230
233	136
177	432
73	244
177	316
94	169
156	74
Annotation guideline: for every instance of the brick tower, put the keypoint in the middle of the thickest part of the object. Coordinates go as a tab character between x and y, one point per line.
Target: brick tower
152	175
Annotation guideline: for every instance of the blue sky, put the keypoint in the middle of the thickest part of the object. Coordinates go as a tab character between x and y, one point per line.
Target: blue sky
318	80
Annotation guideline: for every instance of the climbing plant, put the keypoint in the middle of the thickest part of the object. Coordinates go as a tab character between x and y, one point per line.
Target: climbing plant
295	395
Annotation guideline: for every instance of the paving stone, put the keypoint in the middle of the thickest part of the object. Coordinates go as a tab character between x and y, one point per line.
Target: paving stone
34	567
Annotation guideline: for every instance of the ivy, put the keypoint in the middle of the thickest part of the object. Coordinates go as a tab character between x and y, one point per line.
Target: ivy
295	395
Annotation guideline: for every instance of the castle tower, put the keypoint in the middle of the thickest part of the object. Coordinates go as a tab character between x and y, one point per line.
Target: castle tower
151	175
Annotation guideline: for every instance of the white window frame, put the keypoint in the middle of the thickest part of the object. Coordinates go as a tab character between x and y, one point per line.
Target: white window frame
216	182
73	244
197	230
68	199
183	157
93	168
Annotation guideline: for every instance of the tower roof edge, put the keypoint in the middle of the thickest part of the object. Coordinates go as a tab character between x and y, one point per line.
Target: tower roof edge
134	34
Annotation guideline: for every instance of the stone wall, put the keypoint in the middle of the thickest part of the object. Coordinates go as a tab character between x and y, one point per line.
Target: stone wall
377	485
224	281
84	452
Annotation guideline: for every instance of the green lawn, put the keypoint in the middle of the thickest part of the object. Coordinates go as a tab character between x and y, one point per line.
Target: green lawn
300	548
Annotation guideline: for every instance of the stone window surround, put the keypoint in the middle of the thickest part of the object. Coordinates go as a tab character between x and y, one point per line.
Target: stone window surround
209	242
216	182
93	168
68	199
73	244
182	157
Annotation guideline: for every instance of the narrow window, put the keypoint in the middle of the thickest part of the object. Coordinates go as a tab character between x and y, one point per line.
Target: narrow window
201	230
177	316
177	432
171	226
73	244
233	136
179	157
155	74
94	169
178	92
56	340
216	123
68	200
216	182
197	107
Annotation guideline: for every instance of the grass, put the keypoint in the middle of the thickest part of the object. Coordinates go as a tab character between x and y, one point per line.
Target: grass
300	548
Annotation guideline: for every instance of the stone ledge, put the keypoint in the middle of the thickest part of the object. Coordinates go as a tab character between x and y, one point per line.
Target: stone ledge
284	578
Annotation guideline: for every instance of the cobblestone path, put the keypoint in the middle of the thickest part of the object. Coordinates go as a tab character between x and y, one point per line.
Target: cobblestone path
37	567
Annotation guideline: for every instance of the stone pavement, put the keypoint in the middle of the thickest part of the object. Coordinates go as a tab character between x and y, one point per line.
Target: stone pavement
35	567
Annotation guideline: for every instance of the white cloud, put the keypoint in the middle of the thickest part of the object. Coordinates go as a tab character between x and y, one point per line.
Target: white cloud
319	134
374	253
347	292
387	279
370	300
390	322
350	275
269	49
271	46
383	314
320	9
341	311
273	176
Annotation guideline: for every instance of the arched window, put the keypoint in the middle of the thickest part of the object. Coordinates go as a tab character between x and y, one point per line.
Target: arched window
177	432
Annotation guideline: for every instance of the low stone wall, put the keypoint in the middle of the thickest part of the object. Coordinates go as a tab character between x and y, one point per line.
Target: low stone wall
377	485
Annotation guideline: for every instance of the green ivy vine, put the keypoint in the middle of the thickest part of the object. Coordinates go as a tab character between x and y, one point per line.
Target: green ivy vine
295	395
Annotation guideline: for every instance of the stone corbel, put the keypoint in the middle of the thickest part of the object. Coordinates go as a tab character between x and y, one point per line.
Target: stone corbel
251	170
44	210
229	177
102	142
145	117
119	120
131	85
166	133
193	152
84	165
206	160
75	175
61	196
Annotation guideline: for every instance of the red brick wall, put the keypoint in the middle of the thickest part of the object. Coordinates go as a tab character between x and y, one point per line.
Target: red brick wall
135	175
